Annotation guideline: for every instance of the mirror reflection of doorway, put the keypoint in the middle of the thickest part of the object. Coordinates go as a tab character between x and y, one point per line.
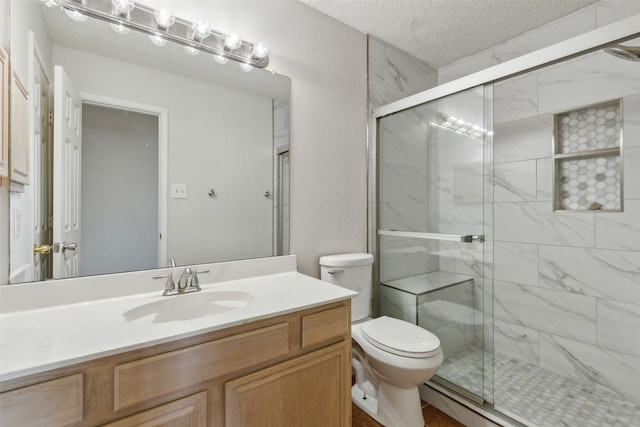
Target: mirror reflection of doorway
119	190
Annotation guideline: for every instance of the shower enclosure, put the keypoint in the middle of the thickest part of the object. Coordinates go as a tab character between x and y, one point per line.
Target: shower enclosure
508	224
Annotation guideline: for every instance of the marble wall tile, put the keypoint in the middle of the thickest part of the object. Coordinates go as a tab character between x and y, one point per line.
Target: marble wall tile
407	73
407	257
468	182
401	144
401	184
631	180
515	99
586	80
460	218
454	337
608	369
523	140
462	258
535	222
600	273
381	94
561	313
631	122
620	230
465	67
544	179
403	216
516	341
613	11
516	262
515	181
619	326
394	74
398	304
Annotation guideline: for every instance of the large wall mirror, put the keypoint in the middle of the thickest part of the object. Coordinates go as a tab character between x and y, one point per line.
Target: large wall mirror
141	155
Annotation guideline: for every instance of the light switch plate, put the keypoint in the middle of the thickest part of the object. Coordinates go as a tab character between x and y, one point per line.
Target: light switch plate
179	191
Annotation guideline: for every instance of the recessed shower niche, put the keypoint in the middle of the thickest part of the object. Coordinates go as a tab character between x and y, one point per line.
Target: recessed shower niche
587	152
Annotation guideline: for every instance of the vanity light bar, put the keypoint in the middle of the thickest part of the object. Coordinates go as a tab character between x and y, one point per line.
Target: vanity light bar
189	34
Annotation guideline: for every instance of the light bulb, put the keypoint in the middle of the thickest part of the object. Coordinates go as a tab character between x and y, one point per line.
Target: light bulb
122	7
120	29
260	50
201	31
220	59
164	18
245	67
157	40
75	15
191	50
232	41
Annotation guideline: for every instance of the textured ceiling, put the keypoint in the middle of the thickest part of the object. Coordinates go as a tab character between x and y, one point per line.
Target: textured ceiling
441	32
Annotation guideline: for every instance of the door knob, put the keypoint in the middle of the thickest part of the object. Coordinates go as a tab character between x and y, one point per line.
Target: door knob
44	249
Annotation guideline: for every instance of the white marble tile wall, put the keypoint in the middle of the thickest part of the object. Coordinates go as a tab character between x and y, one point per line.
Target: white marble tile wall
589	18
567	285
394	74
404	154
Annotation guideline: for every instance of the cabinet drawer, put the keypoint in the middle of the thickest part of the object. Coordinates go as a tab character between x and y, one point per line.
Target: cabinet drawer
190	411
325	326
149	378
54	403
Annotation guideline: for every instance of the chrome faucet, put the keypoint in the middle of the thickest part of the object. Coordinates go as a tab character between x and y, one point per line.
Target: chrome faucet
188	282
185	279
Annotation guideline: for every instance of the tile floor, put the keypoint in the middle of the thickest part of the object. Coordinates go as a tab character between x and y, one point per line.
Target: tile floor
432	418
539	396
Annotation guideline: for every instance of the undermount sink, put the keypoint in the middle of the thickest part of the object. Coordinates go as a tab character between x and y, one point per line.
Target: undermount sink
188	306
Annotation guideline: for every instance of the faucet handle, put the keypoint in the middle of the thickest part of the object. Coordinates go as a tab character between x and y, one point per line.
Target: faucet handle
170	286
195	283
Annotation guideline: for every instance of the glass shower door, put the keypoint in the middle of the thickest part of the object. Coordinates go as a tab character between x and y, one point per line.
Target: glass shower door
431	226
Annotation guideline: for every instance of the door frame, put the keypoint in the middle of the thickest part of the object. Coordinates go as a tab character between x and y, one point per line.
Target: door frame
163	155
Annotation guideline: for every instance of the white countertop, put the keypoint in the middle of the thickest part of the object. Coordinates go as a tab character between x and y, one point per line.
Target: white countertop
33	341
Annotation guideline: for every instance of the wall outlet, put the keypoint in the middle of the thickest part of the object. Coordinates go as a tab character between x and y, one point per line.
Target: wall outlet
179	191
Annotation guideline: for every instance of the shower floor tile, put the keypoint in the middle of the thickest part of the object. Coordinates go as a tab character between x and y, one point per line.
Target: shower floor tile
538	396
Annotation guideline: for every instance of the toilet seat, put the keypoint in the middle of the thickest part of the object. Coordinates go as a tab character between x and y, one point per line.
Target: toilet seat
400	338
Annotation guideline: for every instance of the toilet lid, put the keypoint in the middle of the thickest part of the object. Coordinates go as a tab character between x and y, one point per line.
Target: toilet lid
399	337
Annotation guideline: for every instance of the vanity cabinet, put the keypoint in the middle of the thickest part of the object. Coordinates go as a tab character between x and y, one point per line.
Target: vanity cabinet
289	370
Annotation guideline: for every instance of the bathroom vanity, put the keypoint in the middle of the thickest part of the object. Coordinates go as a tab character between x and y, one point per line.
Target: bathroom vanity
271	350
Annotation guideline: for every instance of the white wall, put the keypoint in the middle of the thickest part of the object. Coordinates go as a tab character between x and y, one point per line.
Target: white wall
326	61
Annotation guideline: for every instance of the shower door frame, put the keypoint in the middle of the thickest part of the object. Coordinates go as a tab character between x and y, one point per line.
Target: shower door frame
617	32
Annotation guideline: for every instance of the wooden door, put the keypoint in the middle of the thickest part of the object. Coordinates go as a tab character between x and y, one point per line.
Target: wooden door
67	161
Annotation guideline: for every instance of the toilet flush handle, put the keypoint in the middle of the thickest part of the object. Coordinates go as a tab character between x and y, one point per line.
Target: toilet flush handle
333	272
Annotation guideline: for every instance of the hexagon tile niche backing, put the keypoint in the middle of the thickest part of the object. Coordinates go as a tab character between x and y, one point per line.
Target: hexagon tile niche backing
587	158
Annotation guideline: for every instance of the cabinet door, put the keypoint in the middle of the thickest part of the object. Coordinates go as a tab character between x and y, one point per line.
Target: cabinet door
310	391
190	411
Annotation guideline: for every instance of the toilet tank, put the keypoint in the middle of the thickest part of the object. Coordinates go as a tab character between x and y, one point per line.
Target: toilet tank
352	271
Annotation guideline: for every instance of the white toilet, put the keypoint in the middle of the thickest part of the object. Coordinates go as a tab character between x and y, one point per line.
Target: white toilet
391	357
